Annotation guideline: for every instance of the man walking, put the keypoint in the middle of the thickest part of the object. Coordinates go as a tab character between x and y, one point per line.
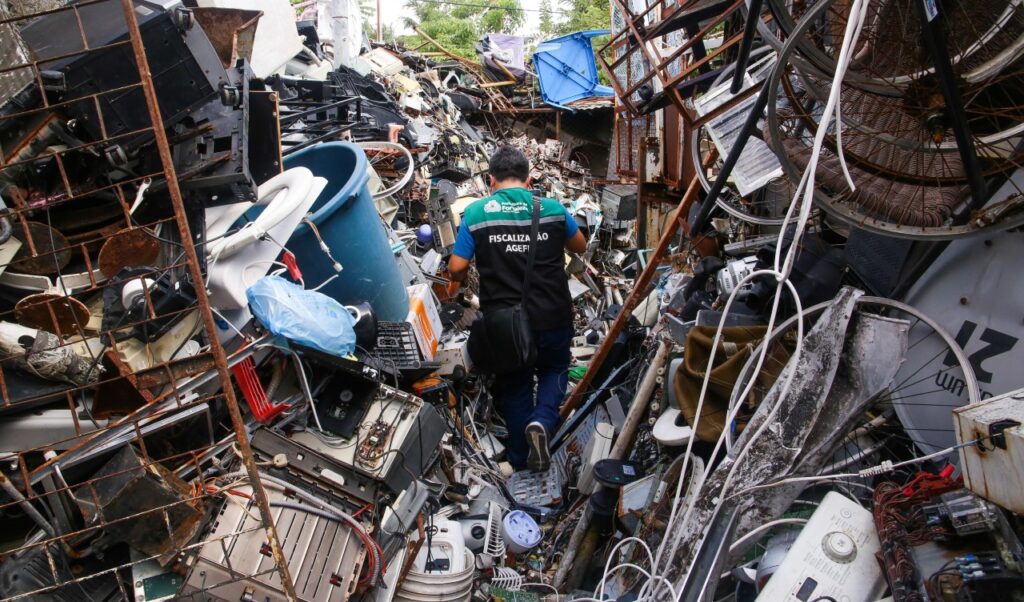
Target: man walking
496	231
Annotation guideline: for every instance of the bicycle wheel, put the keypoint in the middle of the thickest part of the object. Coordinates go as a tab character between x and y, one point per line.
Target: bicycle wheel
899	150
983	37
766	206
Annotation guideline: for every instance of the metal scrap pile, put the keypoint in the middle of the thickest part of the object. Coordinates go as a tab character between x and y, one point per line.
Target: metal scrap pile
805	391
232	367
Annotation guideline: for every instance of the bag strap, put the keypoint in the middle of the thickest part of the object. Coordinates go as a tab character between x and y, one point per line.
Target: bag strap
534	230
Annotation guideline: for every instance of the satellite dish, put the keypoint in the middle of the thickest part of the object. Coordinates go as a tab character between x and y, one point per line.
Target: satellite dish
974	290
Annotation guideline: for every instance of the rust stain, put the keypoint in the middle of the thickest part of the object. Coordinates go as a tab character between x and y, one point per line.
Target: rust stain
52	312
129	248
44	252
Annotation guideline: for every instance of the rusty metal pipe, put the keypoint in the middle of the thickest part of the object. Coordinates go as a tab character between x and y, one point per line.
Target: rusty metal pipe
27	506
565	574
220	358
638	293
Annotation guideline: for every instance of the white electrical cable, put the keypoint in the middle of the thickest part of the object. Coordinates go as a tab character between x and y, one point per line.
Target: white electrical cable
599	592
872	471
854	26
739	543
249	266
228	322
140	195
803	200
303	381
644	596
674	515
330	279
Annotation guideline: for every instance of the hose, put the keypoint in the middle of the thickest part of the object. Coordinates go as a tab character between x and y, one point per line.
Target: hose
276	377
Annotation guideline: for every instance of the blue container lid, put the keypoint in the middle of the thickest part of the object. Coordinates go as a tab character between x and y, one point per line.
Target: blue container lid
566	69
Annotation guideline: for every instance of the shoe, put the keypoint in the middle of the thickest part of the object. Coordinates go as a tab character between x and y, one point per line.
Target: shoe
539	459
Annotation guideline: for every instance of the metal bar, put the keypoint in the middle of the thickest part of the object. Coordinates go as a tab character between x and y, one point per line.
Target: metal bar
317	109
641	202
934	34
47	108
312	141
35	64
620	92
36	15
730	161
726	106
678	52
28	508
219	356
638	293
701	34
81	28
749	31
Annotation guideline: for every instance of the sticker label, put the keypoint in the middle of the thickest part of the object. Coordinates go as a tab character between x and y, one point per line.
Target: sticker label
931	9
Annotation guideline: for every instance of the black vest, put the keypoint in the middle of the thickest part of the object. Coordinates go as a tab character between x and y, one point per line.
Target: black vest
500	226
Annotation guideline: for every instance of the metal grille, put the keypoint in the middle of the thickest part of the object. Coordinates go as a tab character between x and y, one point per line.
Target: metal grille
118	402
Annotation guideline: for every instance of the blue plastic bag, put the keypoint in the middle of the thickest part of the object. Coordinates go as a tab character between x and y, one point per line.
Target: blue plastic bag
306	317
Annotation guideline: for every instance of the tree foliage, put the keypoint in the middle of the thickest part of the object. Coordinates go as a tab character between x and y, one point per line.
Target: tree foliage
581	15
547	22
458	27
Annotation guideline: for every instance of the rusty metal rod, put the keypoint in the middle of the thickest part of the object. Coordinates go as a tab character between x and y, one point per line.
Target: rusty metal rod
219	356
35	15
565	573
27	506
57	57
638	293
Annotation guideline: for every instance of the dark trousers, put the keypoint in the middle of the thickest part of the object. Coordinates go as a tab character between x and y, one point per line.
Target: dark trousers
514	393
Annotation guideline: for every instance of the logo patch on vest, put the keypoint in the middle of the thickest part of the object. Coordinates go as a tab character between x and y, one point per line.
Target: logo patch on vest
492	206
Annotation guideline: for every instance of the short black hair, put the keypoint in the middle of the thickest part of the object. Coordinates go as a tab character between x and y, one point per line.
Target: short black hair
509	163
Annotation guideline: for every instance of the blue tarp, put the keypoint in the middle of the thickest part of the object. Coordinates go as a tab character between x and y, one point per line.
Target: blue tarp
566	68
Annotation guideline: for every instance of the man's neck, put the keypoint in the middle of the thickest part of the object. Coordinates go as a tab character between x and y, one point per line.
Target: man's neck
507	184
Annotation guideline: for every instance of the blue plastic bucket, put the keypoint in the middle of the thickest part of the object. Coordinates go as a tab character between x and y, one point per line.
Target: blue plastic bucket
349	224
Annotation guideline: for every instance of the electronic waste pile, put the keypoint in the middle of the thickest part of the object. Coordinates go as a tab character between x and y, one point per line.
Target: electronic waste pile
234	366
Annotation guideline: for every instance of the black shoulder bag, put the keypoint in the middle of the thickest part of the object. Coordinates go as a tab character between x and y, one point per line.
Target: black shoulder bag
501	341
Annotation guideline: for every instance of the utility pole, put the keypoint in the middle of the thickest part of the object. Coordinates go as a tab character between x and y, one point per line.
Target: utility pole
380	38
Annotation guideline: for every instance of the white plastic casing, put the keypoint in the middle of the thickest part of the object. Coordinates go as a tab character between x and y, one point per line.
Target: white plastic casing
834	557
